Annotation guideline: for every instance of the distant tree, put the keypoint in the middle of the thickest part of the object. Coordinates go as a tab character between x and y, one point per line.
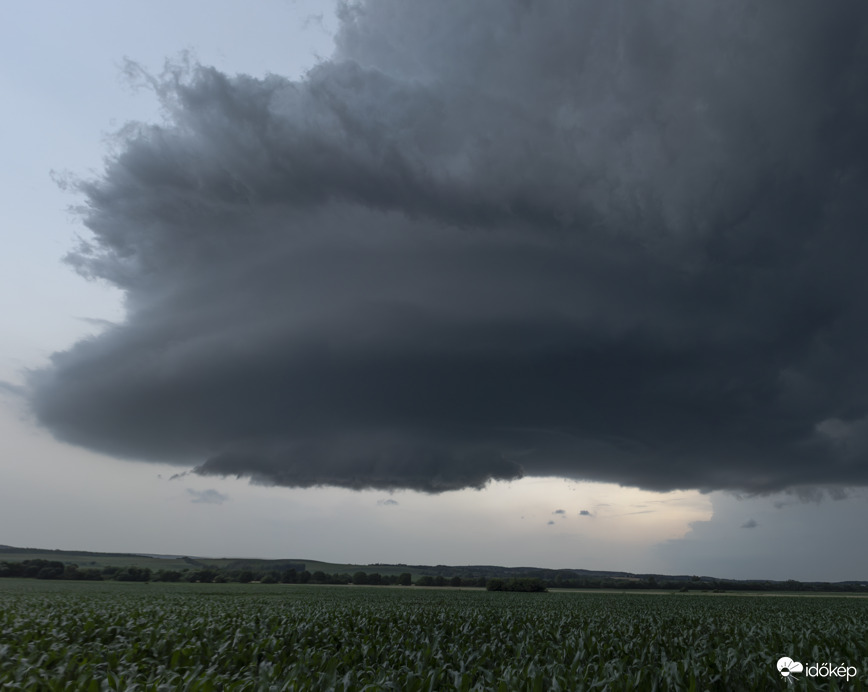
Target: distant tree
50	573
360	578
204	576
455	581
290	576
72	571
245	576
319	577
405	579
304	577
133	574
268	579
525	584
32	568
439	580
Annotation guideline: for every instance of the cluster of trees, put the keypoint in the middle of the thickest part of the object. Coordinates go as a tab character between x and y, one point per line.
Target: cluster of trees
38	568
211	575
377	579
525	584
440	580
46	569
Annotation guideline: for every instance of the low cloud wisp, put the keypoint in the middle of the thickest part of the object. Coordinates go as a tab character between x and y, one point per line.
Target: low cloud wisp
208	497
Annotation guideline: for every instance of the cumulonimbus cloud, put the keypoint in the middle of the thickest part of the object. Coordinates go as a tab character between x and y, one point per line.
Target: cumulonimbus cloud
620	241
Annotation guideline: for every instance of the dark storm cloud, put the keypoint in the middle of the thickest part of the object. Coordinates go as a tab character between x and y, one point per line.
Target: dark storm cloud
620	241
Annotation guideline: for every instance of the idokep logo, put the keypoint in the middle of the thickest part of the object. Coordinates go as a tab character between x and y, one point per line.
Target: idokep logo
787	667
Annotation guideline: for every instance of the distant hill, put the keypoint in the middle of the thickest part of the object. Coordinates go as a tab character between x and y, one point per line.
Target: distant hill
568	577
85	558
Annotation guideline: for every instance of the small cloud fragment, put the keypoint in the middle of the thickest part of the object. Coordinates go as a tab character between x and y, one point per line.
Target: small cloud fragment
387	502
560	511
749	524
585	513
208	497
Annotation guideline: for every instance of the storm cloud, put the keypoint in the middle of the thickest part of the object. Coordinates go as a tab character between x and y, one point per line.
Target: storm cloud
618	241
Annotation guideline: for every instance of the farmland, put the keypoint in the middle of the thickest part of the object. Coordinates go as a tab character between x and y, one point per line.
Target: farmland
125	636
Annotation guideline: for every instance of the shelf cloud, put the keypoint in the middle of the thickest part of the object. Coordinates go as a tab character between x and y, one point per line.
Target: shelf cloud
618	241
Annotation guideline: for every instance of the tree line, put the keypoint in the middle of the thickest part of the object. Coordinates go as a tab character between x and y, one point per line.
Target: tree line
38	568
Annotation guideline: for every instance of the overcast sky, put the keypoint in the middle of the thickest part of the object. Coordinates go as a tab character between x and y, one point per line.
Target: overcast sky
567	284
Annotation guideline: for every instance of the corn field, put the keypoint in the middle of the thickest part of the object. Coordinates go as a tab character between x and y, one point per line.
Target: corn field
202	637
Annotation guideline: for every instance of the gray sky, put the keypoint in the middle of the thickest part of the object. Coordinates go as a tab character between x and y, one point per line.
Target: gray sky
399	284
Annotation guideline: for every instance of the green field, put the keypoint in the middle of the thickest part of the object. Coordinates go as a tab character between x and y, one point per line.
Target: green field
133	636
